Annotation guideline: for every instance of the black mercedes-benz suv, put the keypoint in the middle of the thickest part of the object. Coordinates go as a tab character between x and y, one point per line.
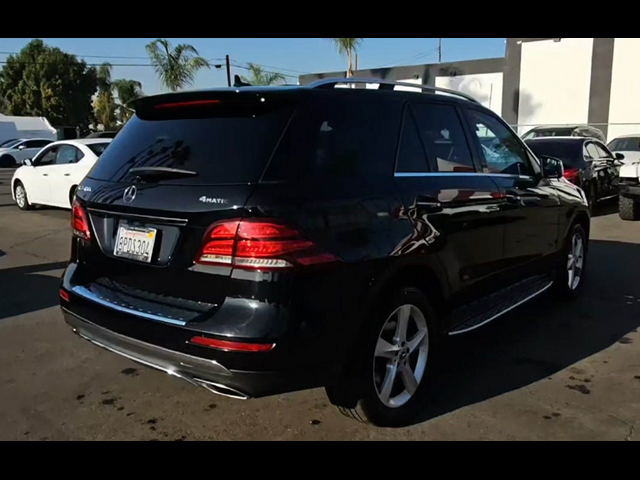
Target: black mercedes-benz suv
256	241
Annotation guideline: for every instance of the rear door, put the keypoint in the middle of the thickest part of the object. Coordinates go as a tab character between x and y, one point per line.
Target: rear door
531	209
455	209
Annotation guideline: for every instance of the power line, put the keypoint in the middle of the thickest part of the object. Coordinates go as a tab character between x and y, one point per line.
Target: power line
265	71
413	58
279	68
117	57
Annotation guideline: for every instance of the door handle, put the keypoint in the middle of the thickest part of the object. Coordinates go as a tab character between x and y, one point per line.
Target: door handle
67	174
45	174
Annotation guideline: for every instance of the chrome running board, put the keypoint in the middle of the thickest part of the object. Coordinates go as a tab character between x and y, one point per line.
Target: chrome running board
498	311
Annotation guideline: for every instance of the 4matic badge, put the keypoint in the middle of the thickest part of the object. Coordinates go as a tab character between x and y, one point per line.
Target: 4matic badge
215	201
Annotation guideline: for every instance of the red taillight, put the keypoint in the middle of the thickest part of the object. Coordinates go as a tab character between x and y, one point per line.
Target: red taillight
232	346
80	222
194	103
259	244
572	174
64	295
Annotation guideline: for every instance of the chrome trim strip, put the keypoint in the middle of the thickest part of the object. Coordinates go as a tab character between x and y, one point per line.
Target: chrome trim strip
454	174
175	221
377	81
92	297
182	365
459	332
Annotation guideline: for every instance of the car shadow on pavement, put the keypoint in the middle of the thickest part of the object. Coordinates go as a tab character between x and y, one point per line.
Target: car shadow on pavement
28	289
540	339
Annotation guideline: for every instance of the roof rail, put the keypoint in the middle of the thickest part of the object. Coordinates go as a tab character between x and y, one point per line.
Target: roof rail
384	85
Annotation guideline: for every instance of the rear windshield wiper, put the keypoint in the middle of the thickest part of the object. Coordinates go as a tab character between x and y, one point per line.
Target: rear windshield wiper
164	172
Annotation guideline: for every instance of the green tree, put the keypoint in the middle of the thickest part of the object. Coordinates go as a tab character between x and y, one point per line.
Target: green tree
176	67
104	105
258	76
348	47
4	106
127	91
43	81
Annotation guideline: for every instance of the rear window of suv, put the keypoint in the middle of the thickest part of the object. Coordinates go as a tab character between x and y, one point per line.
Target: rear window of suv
226	141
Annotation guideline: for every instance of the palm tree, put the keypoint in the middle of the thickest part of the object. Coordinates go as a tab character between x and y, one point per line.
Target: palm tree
348	47
127	91
258	76
176	67
104	104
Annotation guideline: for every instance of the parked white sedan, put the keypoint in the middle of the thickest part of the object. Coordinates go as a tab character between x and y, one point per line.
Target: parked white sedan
14	152
52	176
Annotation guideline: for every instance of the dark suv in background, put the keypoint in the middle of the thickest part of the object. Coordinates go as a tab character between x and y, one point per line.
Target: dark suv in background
257	241
588	163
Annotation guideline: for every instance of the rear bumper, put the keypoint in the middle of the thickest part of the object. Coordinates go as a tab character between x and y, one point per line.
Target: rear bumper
198	371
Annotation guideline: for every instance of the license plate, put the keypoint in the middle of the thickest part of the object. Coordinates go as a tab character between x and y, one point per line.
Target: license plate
135	243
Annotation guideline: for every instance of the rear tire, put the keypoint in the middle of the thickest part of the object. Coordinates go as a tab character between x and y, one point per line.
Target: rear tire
397	359
22	200
629	209
572	267
7	161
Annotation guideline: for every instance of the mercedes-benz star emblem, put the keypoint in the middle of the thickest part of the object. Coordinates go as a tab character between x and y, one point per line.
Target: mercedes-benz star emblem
130	194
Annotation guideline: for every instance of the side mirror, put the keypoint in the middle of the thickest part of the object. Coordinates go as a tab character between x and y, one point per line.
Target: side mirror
27	162
619	156
552	167
22	147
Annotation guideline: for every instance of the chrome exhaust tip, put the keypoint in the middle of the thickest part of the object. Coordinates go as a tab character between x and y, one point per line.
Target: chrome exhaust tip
221	390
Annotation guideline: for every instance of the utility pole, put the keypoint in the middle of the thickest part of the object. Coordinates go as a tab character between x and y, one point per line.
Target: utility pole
439	50
356	62
228	61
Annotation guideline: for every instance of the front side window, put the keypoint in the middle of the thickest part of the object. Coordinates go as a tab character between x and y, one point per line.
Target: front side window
48	157
444	139
603	152
501	148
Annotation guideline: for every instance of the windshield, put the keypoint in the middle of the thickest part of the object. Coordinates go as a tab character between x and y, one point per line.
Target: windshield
9	143
631	144
226	145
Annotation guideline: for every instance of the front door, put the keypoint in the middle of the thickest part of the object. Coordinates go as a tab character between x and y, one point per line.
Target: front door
38	182
63	174
531	210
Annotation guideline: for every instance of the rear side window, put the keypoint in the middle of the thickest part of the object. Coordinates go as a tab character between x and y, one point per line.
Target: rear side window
411	156
223	142
339	136
444	138
67	154
98	148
